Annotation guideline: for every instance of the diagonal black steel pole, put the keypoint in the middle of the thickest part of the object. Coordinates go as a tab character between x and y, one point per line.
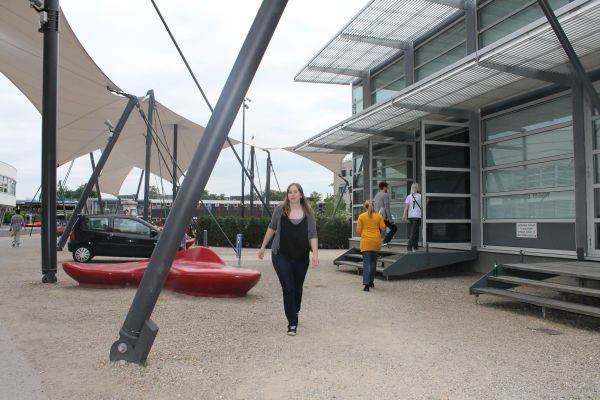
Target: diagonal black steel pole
138	331
97	185
49	110
148	155
133	101
580	72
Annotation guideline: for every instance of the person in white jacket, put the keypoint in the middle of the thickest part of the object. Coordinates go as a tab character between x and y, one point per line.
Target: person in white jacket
413	212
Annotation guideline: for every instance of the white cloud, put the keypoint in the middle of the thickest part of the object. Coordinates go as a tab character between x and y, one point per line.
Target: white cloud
129	43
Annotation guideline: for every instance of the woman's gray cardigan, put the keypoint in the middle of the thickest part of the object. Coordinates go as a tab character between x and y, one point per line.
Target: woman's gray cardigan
276	223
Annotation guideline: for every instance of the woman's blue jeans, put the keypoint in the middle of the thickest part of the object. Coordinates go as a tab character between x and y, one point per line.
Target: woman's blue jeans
369	266
291	274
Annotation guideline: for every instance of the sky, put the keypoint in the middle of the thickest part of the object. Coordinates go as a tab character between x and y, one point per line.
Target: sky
129	43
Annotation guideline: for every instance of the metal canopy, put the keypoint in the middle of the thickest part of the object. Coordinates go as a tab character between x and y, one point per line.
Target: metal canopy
472	83
376	34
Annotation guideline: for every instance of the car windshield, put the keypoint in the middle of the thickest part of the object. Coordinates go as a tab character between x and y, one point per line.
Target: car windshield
95	224
126	225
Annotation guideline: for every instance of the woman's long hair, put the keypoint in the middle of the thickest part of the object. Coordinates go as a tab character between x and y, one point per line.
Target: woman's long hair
369	207
415	188
303	202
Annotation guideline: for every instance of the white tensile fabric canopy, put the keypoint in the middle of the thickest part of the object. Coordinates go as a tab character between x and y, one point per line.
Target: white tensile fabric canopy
85	103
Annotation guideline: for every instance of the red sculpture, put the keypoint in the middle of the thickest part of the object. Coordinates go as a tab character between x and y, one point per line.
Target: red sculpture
198	271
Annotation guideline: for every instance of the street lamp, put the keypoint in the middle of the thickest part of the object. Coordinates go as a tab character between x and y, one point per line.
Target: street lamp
244	107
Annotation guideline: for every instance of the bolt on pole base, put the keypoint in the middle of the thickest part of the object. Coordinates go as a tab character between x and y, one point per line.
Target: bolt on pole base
49	277
125	349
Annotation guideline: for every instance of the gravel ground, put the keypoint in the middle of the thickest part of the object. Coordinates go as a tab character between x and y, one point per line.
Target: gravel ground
421	337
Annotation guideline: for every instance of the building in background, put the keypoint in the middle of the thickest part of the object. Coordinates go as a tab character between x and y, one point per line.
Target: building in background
8	188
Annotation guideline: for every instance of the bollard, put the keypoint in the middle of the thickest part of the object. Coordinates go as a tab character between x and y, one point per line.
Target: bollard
205	238
238	247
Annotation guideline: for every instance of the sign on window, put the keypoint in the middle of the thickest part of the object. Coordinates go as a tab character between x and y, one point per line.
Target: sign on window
527	230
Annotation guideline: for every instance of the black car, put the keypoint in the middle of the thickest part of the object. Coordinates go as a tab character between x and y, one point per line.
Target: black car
111	235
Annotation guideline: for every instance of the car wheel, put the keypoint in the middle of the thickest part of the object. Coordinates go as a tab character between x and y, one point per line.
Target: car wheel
82	254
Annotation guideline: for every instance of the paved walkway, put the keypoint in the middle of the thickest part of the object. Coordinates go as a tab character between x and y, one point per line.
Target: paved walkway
419	337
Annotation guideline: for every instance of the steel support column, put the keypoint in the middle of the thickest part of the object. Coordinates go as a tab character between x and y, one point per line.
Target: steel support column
475	184
471	23
96	172
148	155
579	152
49	26
409	64
138	332
175	127
268	183
580	72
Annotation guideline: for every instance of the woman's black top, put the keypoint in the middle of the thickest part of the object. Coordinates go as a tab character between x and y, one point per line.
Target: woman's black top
294	239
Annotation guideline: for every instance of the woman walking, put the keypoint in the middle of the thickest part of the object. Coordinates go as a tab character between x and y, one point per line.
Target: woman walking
369	227
413	212
293	229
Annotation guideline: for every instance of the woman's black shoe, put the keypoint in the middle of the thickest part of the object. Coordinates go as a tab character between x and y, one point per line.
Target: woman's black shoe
372	285
366	288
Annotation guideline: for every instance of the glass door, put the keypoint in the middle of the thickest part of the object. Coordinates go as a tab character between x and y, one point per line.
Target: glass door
594	203
445	184
394	163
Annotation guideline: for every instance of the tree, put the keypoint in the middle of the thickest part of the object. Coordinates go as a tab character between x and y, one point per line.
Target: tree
329	205
76	194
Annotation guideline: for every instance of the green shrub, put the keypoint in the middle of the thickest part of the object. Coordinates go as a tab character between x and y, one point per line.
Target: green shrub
333	232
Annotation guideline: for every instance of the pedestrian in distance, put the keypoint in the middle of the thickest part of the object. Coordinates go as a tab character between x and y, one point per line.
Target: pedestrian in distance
413	212
293	229
382	205
16	224
369	227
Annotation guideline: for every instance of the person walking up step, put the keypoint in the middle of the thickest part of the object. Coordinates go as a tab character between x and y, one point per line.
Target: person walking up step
369	227
381	203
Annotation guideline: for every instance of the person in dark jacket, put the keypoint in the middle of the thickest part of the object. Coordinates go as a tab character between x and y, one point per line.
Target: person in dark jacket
293	229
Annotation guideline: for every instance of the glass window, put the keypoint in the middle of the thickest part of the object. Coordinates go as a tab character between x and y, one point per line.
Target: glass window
396	151
95	224
387	82
448	182
541	145
402	170
388	92
533	205
441	51
125	225
357	98
442	61
495	19
533	176
448	208
529	119
448	233
447	156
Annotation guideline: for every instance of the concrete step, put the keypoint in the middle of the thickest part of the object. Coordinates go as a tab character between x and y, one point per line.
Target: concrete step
541	301
559	287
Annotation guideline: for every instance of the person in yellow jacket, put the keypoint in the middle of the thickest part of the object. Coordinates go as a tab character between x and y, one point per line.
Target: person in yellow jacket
369	227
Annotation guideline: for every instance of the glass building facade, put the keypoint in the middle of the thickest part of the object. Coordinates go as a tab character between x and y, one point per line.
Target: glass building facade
511	162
